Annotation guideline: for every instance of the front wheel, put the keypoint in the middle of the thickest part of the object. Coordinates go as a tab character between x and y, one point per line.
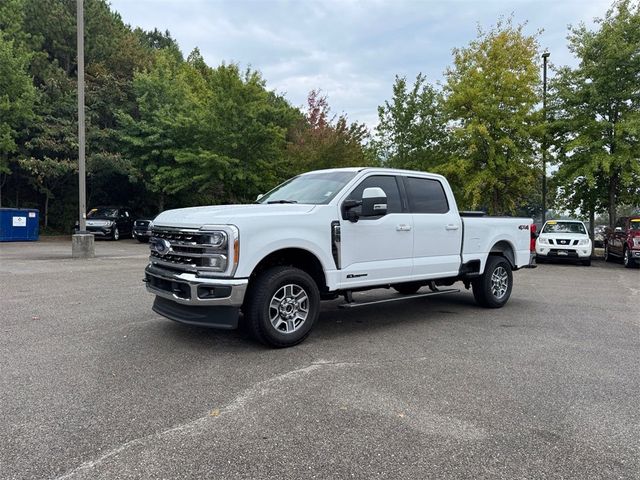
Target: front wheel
586	263
493	288
283	306
607	255
116	234
629	262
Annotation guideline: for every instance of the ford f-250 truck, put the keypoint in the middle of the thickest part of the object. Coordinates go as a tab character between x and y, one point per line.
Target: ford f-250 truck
322	235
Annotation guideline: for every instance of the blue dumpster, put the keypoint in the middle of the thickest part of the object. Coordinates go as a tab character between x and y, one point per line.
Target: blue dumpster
19	224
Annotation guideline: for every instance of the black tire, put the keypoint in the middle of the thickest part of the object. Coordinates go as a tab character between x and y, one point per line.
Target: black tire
628	261
483	287
143	239
407	288
115	236
586	263
607	255
540	259
258	311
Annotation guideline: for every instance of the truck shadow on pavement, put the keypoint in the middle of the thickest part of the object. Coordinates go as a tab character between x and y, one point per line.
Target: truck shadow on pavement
356	324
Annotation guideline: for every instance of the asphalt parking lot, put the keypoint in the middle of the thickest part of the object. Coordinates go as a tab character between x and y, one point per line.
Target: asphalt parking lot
94	385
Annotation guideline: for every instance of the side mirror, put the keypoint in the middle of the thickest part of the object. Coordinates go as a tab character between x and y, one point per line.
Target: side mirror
259	196
348	210
618	230
374	202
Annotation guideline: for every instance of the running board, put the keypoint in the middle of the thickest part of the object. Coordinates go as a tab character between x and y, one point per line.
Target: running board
397	299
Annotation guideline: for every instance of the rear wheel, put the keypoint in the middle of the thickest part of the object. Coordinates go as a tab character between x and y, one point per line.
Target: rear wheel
607	255
283	306
493	288
407	288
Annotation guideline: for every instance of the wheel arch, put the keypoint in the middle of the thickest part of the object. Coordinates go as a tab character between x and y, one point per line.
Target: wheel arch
505	249
294	257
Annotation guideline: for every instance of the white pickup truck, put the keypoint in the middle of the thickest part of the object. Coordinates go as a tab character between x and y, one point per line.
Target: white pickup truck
322	235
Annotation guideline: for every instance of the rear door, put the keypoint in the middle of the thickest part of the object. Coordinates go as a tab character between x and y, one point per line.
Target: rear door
377	250
437	239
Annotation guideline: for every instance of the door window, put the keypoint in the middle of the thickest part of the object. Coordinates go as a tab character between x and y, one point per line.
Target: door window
426	195
387	183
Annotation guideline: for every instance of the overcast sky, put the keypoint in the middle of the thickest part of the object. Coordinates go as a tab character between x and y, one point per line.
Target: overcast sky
351	50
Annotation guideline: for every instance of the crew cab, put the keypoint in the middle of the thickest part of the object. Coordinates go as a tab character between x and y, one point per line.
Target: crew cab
322	235
623	241
564	239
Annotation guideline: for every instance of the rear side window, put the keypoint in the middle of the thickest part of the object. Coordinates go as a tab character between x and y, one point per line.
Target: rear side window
388	184
426	195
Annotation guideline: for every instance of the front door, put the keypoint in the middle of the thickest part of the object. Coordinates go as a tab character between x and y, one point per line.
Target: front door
377	250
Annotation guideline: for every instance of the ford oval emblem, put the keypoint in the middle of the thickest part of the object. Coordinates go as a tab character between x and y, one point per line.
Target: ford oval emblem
160	246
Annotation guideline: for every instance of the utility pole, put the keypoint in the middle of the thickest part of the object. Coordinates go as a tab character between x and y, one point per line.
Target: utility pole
545	56
82	242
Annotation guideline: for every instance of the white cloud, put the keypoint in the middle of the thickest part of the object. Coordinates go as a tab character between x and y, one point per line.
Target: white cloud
349	49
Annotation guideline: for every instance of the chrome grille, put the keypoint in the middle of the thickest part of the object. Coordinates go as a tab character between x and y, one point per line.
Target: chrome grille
189	250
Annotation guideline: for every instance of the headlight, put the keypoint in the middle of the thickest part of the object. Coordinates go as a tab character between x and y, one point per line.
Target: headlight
543	241
583	242
110	223
217	239
214	264
636	242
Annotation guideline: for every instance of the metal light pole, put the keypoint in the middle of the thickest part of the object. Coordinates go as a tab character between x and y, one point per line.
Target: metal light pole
545	56
82	242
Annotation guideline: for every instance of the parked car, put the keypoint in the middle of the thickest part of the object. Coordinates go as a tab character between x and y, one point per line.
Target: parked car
623	241
109	222
322	235
142	229
564	239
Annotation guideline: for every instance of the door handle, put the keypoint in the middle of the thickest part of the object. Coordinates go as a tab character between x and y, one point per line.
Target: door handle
403	228
452	226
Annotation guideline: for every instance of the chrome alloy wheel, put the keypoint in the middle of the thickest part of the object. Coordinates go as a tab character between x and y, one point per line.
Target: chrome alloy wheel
499	282
289	308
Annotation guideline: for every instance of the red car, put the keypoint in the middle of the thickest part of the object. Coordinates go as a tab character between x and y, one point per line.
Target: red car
623	241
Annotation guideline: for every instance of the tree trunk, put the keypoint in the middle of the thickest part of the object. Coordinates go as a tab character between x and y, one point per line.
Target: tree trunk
161	202
613	190
46	210
592	221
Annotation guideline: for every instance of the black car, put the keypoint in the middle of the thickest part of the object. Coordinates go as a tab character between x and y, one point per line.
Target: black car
109	222
142	229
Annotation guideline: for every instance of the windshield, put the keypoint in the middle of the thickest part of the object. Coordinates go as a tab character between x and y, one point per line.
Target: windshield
313	188
563	227
634	224
102	212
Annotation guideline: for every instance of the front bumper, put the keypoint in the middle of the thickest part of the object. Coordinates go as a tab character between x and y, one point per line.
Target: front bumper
188	289
98	231
561	251
142	232
187	298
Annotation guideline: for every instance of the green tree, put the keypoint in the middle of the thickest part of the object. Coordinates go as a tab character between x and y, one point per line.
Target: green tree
491	97
596	113
17	93
411	132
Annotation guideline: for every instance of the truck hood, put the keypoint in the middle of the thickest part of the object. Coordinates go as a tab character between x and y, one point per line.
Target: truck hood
196	217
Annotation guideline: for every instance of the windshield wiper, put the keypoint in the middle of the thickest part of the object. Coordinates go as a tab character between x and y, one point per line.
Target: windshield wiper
282	201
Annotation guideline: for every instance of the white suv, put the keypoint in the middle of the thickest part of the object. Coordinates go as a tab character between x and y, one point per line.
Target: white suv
564	239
